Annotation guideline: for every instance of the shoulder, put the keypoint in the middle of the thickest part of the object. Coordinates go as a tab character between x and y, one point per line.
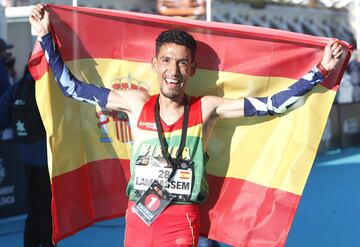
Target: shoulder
211	102
209	105
140	94
137	99
127	100
195	99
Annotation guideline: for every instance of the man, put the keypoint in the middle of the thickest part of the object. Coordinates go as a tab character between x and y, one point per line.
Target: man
353	70
6	62
171	132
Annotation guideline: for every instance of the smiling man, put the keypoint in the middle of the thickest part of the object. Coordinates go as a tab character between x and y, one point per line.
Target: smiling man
171	131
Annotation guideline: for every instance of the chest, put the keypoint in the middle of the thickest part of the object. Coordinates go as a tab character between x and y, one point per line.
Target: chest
171	117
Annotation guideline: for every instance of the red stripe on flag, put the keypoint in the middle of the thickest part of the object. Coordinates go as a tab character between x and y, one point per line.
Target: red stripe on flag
243	213
37	64
91	193
260	50
184	175
268	212
256	47
129	131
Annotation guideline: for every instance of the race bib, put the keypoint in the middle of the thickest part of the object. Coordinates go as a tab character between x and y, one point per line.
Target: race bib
150	205
148	169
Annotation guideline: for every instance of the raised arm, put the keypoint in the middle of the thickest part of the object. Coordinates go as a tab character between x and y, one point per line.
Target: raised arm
69	85
120	100
279	102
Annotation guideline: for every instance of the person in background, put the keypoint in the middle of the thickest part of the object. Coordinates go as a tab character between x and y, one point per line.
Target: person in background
353	70
18	109
7	62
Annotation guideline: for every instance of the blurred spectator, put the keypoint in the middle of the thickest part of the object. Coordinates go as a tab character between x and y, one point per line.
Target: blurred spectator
18	109
344	94
181	7
353	70
7	62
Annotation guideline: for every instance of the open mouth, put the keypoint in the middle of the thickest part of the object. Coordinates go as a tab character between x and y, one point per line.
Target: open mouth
173	81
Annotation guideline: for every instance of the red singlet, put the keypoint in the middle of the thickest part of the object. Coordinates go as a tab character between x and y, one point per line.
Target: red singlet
177	226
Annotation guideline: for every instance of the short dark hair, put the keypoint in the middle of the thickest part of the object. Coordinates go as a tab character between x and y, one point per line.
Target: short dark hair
178	37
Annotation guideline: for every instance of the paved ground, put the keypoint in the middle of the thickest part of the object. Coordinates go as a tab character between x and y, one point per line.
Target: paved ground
328	215
329	212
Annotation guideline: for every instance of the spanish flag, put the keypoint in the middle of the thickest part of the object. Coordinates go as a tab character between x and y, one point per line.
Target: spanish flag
258	166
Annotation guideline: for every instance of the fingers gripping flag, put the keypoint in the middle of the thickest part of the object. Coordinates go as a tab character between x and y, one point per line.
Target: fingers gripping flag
258	166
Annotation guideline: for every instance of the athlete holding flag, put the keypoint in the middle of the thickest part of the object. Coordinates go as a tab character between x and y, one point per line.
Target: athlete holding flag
171	131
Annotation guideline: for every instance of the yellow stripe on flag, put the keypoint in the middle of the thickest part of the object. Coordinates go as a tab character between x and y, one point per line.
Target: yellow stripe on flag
254	159
273	152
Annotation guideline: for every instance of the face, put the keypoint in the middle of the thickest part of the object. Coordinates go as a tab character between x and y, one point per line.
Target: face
173	66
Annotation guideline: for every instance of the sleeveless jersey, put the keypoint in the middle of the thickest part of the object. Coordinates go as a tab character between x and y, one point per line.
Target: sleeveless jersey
147	163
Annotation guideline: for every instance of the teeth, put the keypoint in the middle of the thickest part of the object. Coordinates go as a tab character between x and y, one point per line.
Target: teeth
172	81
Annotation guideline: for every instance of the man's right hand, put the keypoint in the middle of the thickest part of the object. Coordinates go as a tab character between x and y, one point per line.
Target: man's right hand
39	19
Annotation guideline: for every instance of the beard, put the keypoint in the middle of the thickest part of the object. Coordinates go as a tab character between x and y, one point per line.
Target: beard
170	93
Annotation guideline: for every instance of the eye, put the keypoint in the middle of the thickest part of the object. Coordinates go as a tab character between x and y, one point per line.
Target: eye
165	60
184	63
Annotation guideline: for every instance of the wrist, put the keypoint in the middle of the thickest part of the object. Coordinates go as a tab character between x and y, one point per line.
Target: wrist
323	70
45	37
42	33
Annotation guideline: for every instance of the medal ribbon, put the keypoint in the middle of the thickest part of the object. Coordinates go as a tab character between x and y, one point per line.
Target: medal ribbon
163	143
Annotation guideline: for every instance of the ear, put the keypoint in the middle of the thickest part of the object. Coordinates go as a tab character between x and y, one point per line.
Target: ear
193	69
154	64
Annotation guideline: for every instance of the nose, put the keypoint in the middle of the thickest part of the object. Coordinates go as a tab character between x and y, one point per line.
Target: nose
174	68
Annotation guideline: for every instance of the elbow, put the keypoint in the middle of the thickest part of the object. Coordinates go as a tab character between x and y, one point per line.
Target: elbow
278	111
67	91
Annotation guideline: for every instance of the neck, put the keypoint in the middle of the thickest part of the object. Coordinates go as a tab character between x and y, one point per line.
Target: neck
171	110
171	104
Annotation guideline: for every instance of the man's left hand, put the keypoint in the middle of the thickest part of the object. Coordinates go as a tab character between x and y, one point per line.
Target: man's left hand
332	54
